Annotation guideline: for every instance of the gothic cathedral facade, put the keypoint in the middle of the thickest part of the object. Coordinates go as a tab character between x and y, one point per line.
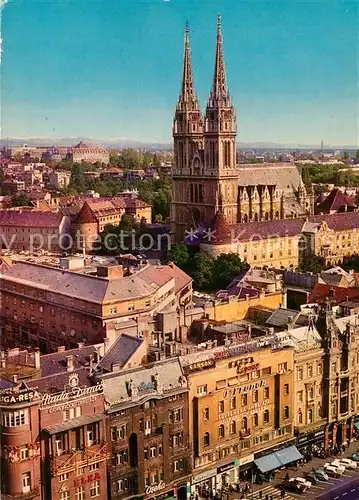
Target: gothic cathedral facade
206	177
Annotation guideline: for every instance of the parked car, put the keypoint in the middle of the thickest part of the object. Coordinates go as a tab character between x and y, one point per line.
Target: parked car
349	464
338	464
293	485
301	480
312	477
355	457
321	474
332	471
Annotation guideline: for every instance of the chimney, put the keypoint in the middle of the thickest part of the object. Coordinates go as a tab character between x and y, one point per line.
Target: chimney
70	363
290	322
110	272
61	348
37	358
14	379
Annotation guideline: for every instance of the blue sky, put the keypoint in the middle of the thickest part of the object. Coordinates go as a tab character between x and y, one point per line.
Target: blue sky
112	68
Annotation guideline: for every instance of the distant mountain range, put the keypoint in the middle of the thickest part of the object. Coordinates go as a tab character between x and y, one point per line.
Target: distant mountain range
154	146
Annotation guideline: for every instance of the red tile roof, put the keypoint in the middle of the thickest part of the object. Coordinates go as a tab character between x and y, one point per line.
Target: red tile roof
338	293
339	222
335	200
34	218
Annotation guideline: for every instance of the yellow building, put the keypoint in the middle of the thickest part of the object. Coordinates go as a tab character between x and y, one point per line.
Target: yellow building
241	407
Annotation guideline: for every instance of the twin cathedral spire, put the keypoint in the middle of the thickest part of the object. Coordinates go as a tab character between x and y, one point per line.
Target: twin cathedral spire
207	142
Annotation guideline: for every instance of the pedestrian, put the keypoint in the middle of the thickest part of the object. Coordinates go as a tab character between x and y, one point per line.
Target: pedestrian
260	494
287	477
267	497
282	493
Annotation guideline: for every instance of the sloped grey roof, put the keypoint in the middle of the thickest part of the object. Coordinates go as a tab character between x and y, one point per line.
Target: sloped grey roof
169	377
120	352
283	175
281	316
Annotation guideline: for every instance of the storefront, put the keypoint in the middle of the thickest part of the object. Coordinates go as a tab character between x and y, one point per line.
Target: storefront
160	491
205	483
274	460
227	474
307	441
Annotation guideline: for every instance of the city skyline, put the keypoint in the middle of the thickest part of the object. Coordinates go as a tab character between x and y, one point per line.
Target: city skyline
67	81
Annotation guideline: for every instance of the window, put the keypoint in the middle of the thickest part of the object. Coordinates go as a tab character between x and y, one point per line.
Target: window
221	431
95	489
319	368
244	424
80	493
113	310
202	389
244	399
80	471
233	403
286	412
94	466
64	477
300	374
255	396
24	453
266	393
300	396
121	457
26	482
266	416
255	419
206	414
310	393
300	417
65	495
178	465
122	485
15	418
153	452
206	439
310	416
286	389
91	434
118	432
176	415
283	367
221	407
310	371
72	413
232	427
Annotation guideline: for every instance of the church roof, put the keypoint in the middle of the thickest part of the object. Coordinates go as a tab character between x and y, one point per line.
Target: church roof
286	176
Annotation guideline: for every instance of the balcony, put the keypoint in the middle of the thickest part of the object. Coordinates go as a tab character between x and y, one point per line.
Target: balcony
77	458
245	433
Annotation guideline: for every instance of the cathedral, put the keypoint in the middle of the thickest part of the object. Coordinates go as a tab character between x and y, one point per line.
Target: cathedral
207	180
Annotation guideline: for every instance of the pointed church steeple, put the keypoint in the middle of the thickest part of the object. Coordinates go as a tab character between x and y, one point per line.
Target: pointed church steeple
188	98
219	89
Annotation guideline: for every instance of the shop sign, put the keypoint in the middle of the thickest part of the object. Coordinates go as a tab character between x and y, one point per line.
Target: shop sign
200	365
246	388
71	404
204	476
224	468
87	479
248	369
319	434
154	488
22	396
246	460
74	393
147	387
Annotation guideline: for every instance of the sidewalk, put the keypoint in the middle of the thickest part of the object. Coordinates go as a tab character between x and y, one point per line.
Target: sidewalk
270	488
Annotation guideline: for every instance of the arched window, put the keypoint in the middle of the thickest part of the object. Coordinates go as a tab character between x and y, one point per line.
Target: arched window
277	215
256	218
266	416
286	412
245	218
233	427
255	419
221	431
244	424
266	216
310	416
206	439
300	417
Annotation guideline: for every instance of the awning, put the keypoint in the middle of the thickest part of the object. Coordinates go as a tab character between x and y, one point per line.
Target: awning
278	459
288	455
73	423
268	462
356	425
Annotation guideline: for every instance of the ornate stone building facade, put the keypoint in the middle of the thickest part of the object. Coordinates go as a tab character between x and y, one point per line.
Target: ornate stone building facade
206	177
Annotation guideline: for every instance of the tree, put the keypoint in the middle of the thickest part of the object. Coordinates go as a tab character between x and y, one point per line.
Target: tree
127	223
21	200
357	155
226	267
200	268
346	156
309	262
179	255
